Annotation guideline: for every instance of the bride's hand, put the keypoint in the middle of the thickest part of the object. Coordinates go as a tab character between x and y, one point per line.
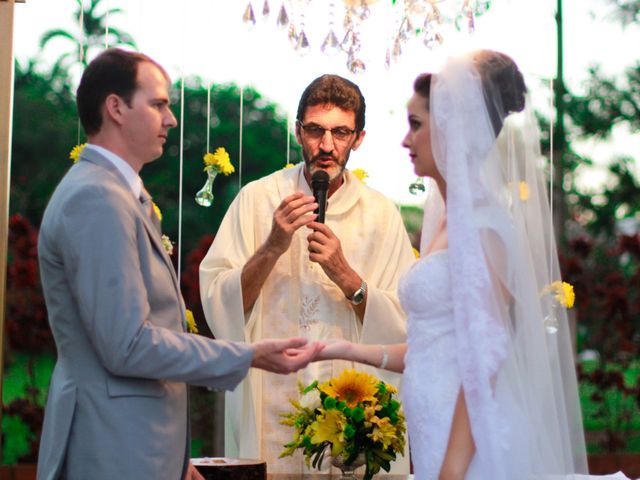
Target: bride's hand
336	349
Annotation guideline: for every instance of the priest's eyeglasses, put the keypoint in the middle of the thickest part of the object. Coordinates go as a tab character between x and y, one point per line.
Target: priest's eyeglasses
316	132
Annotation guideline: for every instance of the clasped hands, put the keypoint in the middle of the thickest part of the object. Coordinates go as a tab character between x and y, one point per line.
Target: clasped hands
296	211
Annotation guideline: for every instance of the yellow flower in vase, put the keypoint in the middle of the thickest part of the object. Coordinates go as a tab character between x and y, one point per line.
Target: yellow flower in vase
557	294
76	151
354	418
220	161
214	163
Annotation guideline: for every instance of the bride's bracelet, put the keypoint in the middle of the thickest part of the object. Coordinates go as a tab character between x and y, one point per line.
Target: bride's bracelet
385	357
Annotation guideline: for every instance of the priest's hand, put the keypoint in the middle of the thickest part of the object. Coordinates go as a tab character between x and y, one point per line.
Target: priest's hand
294	211
284	355
325	249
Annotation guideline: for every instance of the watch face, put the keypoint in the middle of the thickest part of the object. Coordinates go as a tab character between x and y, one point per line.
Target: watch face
358	297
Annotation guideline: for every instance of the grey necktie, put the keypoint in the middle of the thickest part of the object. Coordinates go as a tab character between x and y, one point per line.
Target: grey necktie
147	204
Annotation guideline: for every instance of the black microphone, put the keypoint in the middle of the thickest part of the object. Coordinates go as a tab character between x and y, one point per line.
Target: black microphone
320	185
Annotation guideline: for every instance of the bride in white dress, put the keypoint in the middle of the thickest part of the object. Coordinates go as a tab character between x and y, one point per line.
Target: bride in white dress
489	386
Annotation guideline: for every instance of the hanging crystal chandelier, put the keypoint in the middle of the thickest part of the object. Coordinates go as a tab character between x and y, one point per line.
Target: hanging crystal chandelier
421	19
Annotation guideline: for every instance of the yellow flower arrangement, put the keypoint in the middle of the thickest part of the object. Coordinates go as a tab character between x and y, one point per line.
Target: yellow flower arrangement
76	151
361	174
191	322
219	161
351	414
288	165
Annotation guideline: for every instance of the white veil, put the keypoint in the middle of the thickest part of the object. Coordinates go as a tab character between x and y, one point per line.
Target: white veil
518	376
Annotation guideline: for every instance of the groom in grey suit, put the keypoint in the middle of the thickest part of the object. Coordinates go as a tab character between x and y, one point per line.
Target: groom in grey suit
117	406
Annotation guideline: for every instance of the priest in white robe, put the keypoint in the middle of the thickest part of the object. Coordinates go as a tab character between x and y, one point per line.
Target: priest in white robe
272	271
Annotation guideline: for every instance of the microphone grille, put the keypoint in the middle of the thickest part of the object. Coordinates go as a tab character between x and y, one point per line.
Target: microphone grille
319	177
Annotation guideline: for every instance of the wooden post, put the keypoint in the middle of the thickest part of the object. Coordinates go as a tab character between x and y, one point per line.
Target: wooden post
6	114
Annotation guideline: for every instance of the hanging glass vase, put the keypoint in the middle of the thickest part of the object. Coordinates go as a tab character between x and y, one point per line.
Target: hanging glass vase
417	187
204	197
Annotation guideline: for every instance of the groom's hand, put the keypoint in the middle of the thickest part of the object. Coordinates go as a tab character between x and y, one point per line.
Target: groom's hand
283	355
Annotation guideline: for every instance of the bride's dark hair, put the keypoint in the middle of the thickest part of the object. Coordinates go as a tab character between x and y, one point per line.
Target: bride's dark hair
422	86
503	85
502	82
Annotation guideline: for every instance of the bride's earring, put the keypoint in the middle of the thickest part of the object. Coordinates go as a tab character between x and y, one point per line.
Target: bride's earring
417	187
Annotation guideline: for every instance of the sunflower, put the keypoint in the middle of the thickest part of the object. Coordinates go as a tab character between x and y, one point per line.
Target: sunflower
352	387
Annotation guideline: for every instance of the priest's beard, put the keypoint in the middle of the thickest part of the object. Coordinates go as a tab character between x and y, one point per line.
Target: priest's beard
335	171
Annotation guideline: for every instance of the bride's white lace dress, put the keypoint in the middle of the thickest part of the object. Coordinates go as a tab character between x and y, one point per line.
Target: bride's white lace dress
431	377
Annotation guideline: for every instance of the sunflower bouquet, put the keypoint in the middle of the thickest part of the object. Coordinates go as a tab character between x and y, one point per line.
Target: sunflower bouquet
352	415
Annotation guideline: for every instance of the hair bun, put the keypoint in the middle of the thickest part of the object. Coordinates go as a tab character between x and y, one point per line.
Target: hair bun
503	85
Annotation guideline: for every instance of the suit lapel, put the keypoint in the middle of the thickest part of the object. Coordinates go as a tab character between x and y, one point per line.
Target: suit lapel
134	203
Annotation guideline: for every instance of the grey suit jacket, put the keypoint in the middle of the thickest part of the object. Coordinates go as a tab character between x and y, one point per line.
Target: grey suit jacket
117	405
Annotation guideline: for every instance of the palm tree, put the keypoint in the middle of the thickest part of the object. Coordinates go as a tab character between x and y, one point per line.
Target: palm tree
92	36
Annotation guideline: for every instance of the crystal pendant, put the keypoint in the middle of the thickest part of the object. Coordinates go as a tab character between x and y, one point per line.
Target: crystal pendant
397	49
302	46
408	28
330	46
417	187
249	17
482	7
361	11
347	41
432	39
265	9
204	197
292	34
354	64
471	24
283	18
357	66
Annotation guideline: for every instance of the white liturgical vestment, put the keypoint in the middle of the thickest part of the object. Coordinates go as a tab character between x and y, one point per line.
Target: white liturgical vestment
298	299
